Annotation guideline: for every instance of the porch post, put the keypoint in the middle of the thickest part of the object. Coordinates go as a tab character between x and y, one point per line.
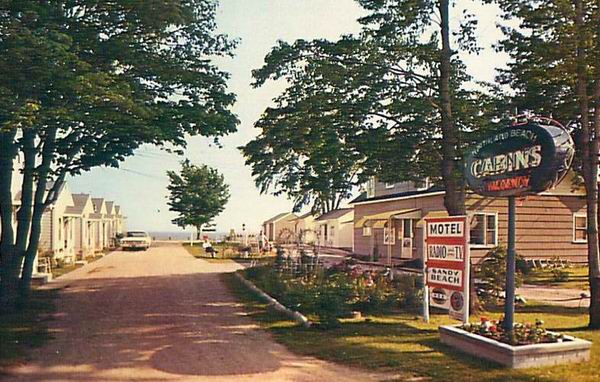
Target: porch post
390	238
372	245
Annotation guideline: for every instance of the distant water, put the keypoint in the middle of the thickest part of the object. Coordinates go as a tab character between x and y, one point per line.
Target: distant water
178	235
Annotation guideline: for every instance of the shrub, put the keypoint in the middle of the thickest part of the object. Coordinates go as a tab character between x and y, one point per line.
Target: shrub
560	275
375	293
410	289
333	299
492	272
333	293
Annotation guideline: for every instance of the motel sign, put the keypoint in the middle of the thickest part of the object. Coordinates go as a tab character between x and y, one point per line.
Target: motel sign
447	265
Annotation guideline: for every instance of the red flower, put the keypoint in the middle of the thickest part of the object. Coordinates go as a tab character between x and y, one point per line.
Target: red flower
484	319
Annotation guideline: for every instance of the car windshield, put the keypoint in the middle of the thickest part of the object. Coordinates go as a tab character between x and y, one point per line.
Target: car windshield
136	234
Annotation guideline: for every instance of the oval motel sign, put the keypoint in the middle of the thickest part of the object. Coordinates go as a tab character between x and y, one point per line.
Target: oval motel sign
521	160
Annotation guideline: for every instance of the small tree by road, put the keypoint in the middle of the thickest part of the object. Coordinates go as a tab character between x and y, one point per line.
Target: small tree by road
198	194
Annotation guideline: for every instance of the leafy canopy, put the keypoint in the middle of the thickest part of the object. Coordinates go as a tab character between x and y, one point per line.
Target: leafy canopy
198	194
108	76
367	104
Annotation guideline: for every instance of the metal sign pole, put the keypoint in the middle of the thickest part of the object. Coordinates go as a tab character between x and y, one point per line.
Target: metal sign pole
425	286
467	270
509	303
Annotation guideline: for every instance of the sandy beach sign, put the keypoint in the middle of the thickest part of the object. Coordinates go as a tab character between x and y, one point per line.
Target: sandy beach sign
447	264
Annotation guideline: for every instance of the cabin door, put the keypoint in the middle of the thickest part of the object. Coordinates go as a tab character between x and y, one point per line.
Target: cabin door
406	245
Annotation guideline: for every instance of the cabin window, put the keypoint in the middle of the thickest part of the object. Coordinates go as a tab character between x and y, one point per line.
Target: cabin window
422	185
389	185
331	231
579	228
484	229
367	231
370	188
408	228
388	235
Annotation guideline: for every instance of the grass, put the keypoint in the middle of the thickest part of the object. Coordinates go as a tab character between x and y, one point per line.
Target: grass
25	328
57	272
224	253
406	347
578	278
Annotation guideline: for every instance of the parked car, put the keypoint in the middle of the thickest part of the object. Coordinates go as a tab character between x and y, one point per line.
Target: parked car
136	240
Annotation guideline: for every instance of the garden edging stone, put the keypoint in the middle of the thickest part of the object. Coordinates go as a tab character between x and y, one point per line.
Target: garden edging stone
295	315
516	357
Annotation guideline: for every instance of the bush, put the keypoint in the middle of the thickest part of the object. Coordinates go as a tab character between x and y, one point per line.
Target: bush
492	272
377	293
560	275
332	294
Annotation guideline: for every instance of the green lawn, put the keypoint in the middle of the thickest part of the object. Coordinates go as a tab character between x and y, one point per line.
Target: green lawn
406	347
223	253
578	278
26	328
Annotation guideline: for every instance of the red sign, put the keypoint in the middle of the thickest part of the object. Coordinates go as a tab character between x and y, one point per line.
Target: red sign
447	263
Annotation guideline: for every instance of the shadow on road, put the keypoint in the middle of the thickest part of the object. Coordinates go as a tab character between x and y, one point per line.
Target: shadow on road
110	328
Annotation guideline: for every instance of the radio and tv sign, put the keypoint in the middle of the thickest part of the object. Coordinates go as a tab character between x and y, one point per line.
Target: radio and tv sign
447	264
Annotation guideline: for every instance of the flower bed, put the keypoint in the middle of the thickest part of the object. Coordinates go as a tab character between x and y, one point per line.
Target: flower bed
523	334
330	294
548	348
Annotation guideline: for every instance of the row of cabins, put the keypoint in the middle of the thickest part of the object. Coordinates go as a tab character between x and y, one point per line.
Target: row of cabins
386	223
76	226
333	229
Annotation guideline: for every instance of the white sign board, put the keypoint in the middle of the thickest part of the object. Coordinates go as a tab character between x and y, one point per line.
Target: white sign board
447	265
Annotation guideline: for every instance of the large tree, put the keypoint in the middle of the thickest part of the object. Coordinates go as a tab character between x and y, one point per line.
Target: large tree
555	71
84	83
396	97
198	194
302	149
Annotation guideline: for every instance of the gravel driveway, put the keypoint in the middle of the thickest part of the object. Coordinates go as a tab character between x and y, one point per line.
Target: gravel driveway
162	315
571	298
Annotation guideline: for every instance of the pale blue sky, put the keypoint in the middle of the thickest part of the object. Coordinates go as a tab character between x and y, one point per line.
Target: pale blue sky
139	186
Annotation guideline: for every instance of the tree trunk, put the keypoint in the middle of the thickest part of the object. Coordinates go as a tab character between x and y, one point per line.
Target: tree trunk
594	257
589	156
30	253
10	276
25	211
39	206
34	237
452	173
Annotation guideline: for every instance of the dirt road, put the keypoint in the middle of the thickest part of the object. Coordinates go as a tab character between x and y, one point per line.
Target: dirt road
162	315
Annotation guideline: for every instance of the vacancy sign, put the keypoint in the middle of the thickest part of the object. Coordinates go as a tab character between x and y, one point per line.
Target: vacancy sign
447	264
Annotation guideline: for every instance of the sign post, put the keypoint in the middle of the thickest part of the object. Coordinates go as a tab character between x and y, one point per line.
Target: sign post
527	158
447	265
425	287
511	261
